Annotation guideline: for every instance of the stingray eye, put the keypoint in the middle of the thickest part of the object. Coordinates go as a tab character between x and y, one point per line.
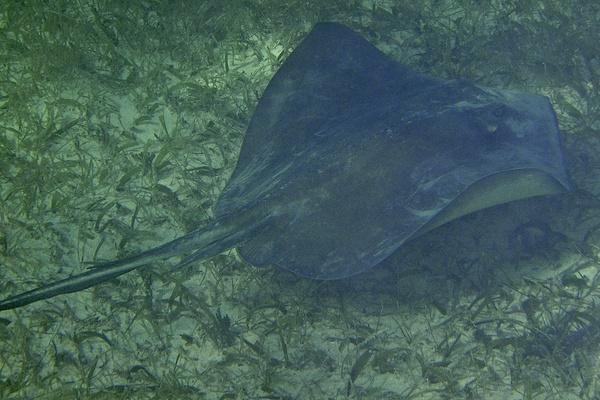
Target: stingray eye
499	111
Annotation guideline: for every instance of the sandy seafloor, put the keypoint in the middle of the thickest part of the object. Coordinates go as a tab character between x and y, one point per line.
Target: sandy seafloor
121	123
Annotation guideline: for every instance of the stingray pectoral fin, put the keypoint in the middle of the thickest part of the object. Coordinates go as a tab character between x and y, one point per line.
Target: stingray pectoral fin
498	188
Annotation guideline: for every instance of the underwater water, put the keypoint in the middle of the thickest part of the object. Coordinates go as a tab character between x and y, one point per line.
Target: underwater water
121	124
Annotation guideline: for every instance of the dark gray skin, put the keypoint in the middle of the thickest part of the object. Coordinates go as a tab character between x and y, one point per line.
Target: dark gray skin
350	154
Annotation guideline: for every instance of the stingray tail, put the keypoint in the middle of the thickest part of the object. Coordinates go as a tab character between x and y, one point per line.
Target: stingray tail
205	242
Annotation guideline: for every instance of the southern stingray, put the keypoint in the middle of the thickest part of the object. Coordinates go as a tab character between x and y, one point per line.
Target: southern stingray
349	154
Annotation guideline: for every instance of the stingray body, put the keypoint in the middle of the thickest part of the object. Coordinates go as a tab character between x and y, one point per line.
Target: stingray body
350	154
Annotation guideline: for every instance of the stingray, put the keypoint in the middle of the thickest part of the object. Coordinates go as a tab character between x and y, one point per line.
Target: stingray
349	154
